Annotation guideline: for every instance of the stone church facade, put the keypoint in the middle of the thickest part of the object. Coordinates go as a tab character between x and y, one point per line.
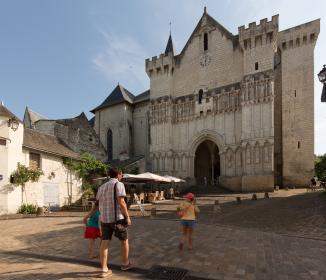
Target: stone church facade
233	110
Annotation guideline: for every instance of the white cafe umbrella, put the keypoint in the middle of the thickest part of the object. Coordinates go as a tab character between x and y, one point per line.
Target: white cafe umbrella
175	179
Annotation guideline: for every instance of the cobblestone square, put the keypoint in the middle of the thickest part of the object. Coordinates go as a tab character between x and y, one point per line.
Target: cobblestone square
283	237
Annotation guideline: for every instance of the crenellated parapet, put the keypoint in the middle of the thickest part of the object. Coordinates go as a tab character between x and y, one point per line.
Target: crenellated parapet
299	36
257	35
158	65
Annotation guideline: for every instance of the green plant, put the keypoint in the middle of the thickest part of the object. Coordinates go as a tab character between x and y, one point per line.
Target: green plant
88	193
27	209
23	174
87	167
320	166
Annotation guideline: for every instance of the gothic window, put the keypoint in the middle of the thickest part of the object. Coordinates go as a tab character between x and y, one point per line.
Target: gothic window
109	144
200	96
205	41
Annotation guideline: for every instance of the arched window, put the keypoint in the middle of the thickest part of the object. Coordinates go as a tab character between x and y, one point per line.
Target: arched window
205	41
109	144
200	96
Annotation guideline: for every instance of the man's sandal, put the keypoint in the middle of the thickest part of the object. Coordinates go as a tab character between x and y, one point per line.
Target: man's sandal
126	267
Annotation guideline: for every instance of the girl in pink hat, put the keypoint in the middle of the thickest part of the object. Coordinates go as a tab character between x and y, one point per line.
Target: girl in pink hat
187	211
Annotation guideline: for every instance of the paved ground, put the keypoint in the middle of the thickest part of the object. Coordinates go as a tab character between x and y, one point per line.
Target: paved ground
279	238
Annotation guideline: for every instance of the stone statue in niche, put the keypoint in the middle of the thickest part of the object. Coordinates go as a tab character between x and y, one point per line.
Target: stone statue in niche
229	159
266	153
248	155
257	154
238	158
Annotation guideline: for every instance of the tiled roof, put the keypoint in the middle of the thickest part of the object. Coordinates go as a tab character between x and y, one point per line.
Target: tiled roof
4	112
33	116
42	142
118	95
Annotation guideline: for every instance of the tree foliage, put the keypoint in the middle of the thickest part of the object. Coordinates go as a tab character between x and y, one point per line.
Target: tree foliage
23	174
87	166
320	166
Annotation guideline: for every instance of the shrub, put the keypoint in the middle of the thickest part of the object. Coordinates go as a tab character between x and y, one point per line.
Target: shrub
88	193
27	209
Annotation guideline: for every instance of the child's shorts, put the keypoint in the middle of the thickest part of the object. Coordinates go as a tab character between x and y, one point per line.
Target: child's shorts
92	233
188	223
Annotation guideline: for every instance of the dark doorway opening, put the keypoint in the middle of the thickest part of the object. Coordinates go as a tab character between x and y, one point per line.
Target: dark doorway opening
207	163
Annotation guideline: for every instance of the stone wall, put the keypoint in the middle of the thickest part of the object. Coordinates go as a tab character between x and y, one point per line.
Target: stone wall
119	119
297	46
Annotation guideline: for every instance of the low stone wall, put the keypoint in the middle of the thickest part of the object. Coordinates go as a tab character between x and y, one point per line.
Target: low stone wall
257	183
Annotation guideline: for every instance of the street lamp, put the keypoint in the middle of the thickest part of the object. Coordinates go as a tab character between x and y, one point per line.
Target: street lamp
13	123
322	79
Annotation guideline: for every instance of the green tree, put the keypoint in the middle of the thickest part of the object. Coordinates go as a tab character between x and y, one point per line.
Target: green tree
88	167
22	175
320	166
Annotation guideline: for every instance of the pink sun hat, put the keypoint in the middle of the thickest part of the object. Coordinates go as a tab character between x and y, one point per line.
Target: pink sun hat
190	196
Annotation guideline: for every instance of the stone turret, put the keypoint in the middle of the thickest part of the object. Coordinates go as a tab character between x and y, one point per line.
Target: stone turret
160	71
259	43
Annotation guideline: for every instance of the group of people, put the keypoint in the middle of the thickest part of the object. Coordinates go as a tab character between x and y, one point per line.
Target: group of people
109	216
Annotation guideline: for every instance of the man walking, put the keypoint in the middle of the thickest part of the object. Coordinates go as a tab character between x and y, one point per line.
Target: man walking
114	219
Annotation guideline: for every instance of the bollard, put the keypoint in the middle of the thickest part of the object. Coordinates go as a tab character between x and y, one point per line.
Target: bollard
238	200
286	188
153	212
266	195
254	197
217	207
277	188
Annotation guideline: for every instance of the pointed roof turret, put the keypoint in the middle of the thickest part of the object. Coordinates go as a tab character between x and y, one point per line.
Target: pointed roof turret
118	95
169	46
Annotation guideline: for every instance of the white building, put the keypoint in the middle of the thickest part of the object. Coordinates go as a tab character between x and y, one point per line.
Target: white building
237	109
34	149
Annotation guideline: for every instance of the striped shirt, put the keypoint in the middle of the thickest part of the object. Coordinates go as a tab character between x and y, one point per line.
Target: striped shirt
105	196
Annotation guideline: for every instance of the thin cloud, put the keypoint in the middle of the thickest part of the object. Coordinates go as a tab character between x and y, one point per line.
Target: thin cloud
122	59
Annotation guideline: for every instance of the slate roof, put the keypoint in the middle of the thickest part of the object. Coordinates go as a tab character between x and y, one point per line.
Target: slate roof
46	143
169	46
92	122
124	163
33	116
4	112
144	96
118	95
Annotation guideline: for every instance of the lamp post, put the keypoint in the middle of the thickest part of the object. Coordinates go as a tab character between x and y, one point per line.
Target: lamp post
13	123
322	79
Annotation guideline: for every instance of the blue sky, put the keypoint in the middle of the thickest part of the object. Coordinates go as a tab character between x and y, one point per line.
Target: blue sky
64	57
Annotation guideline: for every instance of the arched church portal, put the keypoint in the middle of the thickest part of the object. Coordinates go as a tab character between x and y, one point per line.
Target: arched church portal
207	163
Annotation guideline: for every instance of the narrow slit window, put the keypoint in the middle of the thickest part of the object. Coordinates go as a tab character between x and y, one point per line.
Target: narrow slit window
295	93
299	144
256	66
200	96
205	41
